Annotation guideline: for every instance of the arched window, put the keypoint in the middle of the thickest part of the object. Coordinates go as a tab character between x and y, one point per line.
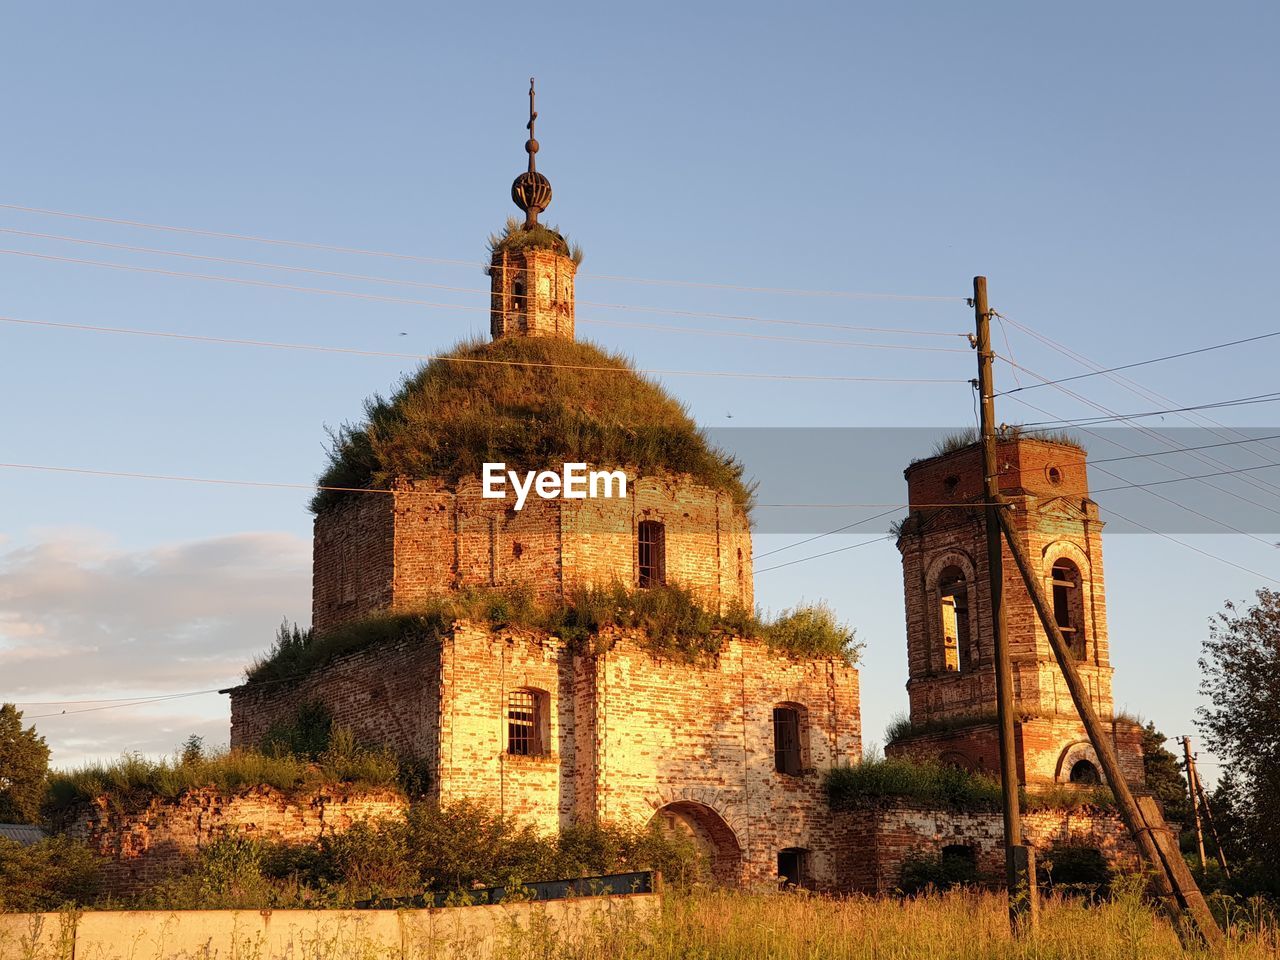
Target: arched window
793	867
652	550
1084	772
526	722
1068	605
953	607
789	739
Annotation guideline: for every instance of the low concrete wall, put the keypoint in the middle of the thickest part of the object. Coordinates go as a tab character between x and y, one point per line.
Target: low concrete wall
433	934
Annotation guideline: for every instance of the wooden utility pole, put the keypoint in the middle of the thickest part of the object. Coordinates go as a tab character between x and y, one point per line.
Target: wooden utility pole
1193	781
1195	800
1173	881
1020	872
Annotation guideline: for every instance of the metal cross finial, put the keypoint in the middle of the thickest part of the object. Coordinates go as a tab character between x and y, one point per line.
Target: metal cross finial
532	145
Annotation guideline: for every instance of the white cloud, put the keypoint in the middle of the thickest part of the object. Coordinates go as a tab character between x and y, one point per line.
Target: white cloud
80	618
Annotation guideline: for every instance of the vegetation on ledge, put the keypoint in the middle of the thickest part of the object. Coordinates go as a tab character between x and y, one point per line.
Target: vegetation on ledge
673	622
514	237
133	781
959	440
927	781
532	403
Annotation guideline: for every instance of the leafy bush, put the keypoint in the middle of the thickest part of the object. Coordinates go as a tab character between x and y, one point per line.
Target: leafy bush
1074	867
451	848
305	734
563	401
133	781
923	873
48	875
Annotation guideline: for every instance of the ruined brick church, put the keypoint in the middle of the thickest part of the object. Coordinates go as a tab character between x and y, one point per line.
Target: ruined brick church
732	751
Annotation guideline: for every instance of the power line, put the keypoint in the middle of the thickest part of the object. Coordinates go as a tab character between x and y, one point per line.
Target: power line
816	556
413	301
1171	451
1146	393
399	281
1044	426
1140	363
847	526
1203	476
334	248
389	354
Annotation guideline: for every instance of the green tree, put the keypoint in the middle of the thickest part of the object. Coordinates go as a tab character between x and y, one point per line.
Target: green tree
24	768
1240	667
1164	775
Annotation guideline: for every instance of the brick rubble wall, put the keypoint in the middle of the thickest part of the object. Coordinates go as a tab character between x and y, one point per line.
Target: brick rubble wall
873	844
149	845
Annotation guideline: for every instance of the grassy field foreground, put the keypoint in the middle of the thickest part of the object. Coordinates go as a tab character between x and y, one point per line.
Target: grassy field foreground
961	925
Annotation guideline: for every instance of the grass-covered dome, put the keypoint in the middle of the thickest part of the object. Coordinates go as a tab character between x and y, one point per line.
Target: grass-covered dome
567	401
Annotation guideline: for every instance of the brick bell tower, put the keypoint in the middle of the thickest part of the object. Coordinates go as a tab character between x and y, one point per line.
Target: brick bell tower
951	674
532	275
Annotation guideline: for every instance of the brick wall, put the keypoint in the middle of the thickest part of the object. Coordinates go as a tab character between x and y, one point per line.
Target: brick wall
148	845
871	845
1055	519
424	538
531	294
628	734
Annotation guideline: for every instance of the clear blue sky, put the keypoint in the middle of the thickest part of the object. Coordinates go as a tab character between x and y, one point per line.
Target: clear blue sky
1110	167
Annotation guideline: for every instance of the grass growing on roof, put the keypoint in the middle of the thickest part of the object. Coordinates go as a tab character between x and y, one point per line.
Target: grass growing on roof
514	237
673	622
564	401
959	440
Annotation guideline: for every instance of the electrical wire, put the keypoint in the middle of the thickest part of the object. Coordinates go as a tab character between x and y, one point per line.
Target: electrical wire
855	546
274	345
334	248
1148	394
1140	363
847	526
413	301
1046	426
397	281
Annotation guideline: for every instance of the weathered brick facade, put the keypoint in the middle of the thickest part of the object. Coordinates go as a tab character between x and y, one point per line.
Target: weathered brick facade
625	735
393	550
532	294
951	675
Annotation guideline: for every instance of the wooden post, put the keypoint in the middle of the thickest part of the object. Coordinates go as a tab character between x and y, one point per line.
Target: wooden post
1208	813
1020	874
1181	897
1195	800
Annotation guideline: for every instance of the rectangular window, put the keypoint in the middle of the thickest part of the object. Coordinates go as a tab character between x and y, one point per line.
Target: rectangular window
793	867
786	741
523	724
652	553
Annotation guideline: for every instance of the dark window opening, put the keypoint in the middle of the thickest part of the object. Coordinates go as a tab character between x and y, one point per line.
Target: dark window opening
950	484
793	867
786	740
517	293
524	723
1083	771
653	553
960	853
1067	605
954	608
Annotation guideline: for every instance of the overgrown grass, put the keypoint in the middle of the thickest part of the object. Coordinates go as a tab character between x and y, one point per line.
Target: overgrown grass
564	401
673	623
959	440
133	781
928	781
514	237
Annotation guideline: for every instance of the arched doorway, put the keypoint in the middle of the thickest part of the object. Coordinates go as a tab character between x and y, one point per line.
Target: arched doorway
708	830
